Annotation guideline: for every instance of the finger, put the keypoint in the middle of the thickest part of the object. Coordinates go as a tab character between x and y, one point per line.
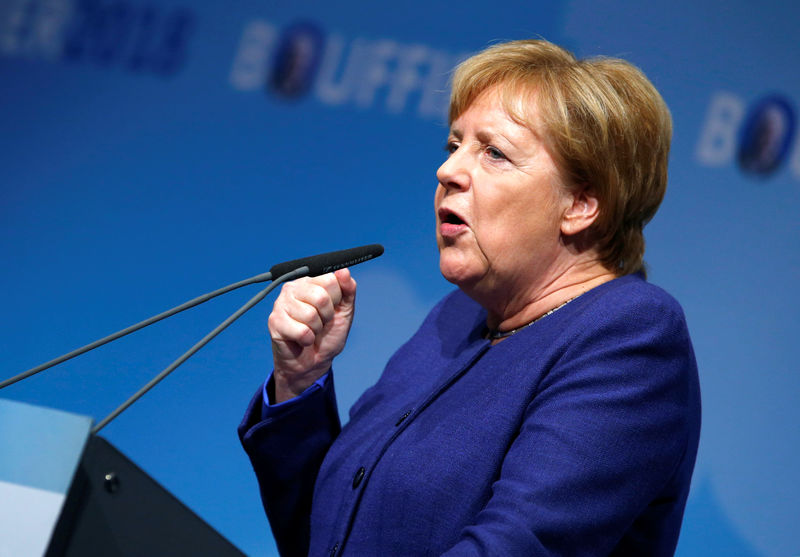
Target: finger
286	330
322	297
286	320
347	285
331	285
306	314
286	350
317	292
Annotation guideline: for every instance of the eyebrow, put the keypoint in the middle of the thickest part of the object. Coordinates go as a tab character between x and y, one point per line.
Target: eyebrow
482	135
489	137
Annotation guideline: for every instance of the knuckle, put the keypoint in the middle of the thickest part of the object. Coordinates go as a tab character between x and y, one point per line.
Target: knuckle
276	324
306	335
319	297
326	281
287	288
295	286
307	313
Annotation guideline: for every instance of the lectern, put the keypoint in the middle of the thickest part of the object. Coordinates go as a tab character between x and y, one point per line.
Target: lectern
66	492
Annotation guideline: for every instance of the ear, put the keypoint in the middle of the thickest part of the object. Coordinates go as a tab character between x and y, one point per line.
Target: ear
582	210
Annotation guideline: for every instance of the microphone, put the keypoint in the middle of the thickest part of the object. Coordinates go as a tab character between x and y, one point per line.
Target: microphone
313	266
329	262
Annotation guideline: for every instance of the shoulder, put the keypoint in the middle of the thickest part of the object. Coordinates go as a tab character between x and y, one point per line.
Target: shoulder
630	336
625	346
632	292
626	336
630	304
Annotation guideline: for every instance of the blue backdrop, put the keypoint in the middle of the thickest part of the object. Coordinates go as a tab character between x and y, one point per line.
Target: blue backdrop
155	150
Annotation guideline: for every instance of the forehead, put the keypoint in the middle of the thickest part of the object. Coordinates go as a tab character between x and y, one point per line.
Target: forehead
516	105
518	102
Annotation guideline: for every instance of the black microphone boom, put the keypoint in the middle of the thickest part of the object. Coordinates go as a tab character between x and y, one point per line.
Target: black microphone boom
329	262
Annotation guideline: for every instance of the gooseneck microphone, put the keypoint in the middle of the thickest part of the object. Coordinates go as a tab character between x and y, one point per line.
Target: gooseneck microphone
205	340
329	262
314	265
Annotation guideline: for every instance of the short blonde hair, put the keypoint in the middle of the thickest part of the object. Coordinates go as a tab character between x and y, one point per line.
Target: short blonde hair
605	123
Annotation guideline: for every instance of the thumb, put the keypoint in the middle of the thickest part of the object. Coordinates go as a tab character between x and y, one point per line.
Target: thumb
347	284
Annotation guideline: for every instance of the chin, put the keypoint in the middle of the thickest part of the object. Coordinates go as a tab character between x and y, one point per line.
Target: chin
456	270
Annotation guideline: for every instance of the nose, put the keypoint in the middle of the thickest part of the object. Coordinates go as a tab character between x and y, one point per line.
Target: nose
454	174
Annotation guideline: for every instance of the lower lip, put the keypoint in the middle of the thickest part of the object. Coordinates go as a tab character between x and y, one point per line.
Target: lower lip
449	230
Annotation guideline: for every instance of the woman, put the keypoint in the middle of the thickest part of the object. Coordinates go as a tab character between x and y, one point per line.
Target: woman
550	405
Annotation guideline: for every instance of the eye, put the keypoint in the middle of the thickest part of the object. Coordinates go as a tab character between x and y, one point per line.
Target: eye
451	147
495	153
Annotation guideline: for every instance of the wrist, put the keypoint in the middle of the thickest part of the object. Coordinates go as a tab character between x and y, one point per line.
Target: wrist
290	385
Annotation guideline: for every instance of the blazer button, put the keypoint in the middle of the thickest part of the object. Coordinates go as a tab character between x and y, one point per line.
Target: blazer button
358	477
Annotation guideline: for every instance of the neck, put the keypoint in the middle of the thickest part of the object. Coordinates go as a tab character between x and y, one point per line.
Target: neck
525	307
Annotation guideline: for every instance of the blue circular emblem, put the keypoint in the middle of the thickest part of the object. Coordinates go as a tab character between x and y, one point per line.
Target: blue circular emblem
296	60
766	135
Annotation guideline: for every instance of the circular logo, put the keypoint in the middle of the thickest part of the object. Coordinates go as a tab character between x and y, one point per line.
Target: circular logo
297	57
766	135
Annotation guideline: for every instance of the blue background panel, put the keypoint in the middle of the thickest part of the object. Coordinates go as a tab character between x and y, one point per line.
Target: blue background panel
149	157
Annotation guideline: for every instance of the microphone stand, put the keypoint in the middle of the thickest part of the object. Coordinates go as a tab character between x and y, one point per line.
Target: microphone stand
312	266
263	277
302	271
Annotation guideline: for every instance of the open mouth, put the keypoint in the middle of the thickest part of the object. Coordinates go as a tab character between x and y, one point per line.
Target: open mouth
452	218
451	225
446	216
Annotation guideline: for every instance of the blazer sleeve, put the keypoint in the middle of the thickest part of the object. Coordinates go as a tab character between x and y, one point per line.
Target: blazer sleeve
603	459
286	450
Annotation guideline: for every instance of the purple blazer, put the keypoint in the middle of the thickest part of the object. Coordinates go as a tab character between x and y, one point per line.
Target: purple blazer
575	436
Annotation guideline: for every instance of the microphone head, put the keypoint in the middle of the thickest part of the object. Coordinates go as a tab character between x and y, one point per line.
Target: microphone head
329	262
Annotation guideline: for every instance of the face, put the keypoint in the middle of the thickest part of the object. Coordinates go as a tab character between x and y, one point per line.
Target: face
499	205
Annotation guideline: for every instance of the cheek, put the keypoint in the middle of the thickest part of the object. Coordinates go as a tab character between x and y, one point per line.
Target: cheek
438	195
515	220
494	213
